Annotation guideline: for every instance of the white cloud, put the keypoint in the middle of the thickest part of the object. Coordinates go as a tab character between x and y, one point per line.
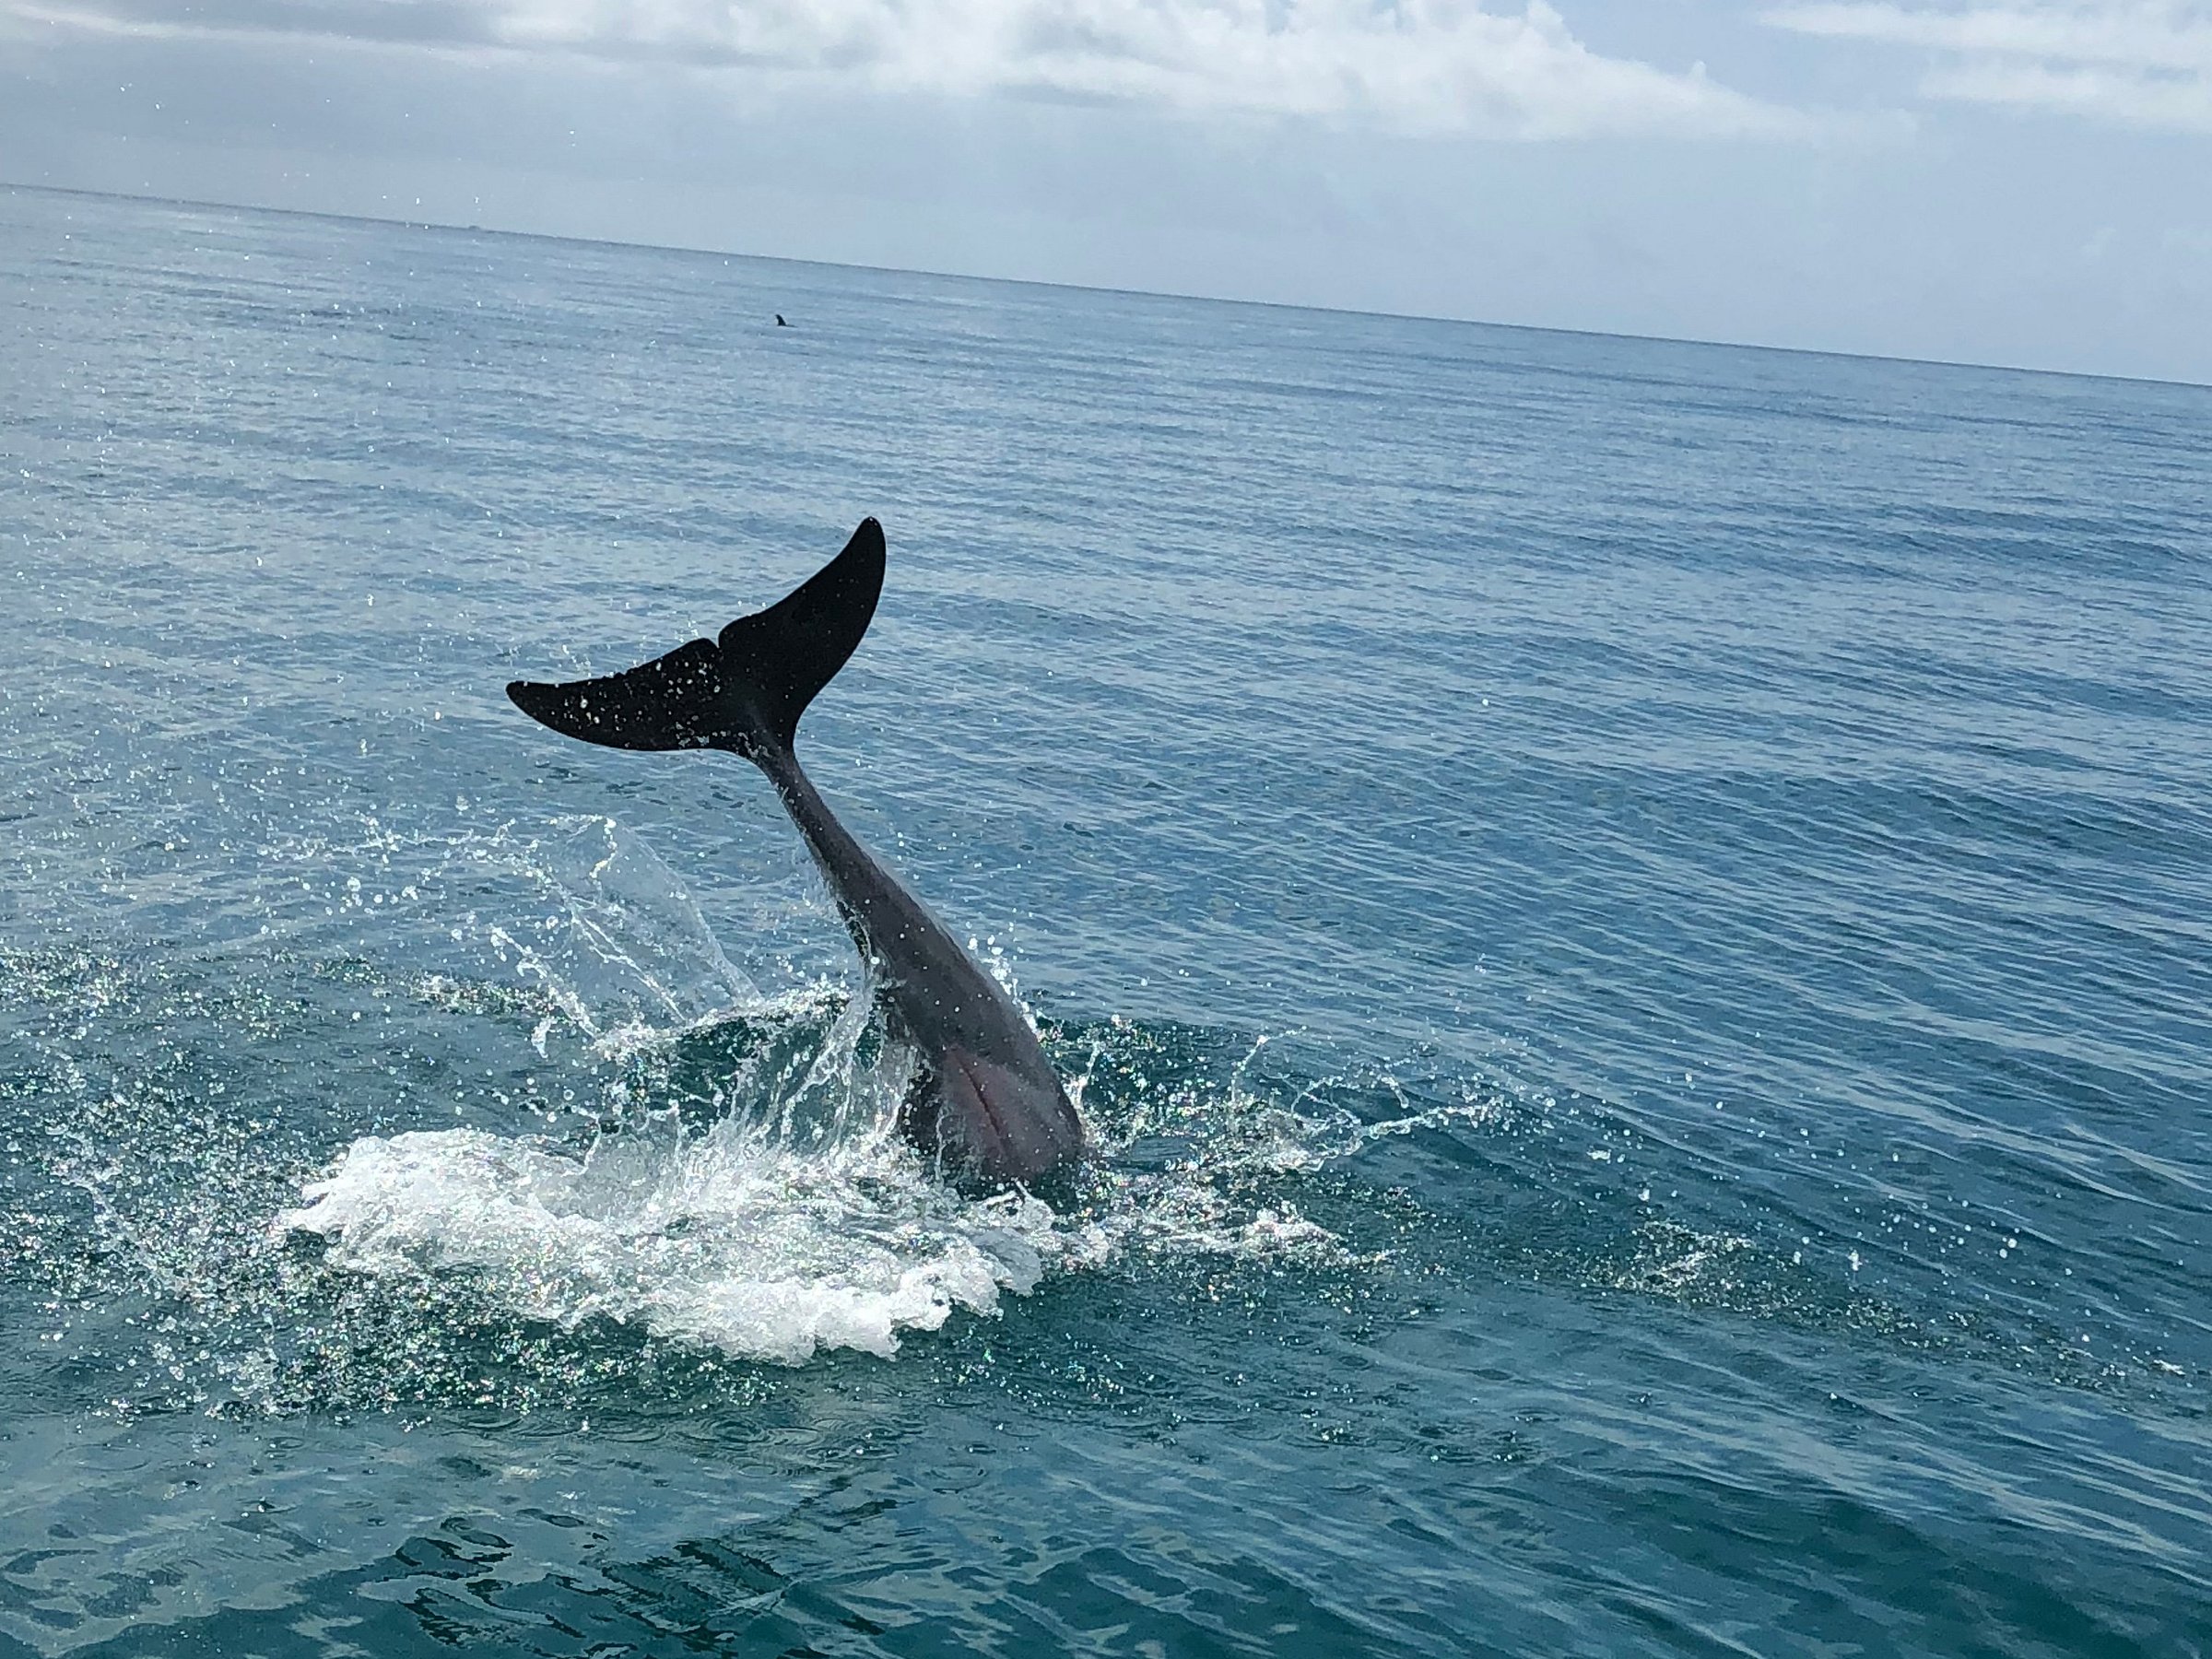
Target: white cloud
2139	63
1422	65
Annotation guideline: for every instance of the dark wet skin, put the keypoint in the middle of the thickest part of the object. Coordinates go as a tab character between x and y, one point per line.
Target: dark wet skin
988	1101
985	1102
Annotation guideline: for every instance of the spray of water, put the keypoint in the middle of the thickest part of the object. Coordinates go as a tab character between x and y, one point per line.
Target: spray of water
741	1185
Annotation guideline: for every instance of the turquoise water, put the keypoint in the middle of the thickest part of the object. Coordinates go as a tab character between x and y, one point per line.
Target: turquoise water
1635	921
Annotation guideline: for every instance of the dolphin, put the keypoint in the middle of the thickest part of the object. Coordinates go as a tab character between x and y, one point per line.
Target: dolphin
985	1102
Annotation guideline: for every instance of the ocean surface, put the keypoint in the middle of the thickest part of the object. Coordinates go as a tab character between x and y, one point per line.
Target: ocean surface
1634	922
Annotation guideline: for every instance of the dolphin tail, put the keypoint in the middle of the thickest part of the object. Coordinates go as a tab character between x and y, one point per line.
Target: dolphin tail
744	691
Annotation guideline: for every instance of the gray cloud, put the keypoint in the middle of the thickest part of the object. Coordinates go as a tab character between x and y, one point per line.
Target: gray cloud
435	23
2134	62
1415	66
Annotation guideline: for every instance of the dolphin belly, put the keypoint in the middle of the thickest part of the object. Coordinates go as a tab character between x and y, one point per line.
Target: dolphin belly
973	1113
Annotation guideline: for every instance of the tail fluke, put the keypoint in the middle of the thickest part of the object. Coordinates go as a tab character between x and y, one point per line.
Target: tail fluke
679	700
738	692
777	659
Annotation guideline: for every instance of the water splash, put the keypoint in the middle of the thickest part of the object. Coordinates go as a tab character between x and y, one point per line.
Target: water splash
726	1239
793	1222
737	1182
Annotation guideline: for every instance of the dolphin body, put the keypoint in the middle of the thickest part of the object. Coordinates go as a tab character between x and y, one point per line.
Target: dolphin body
985	1103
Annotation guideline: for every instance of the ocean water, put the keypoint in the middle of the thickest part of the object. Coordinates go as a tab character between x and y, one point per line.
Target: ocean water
1634	921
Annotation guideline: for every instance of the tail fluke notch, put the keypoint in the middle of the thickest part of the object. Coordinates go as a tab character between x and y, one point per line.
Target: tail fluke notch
748	688
781	657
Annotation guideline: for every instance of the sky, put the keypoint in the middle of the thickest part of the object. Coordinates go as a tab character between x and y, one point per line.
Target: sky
2013	181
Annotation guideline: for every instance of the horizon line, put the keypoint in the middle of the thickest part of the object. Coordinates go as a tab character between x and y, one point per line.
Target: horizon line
1093	287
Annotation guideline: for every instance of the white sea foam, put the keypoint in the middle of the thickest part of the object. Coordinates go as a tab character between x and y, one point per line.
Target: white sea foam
732	1240
721	1239
736	1238
794	1223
